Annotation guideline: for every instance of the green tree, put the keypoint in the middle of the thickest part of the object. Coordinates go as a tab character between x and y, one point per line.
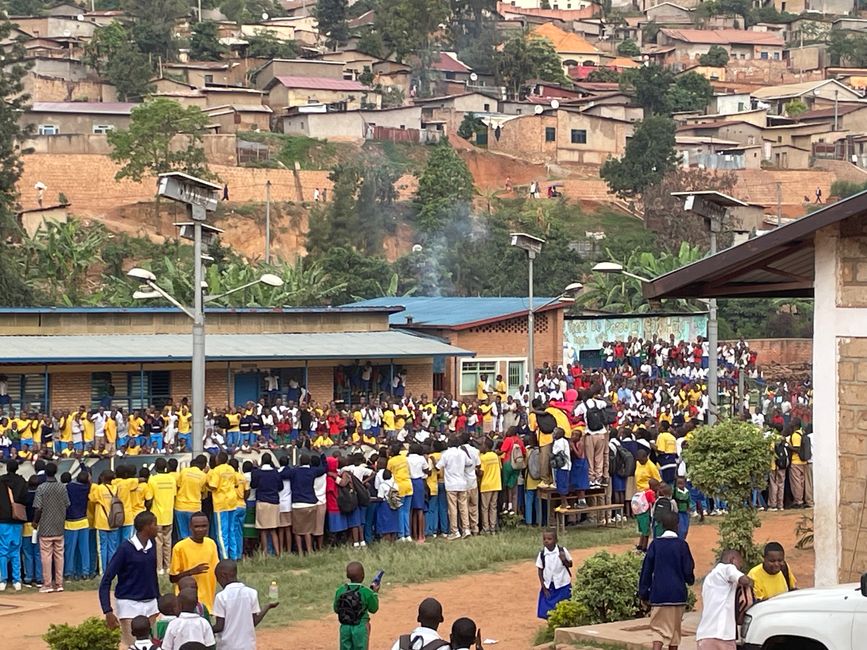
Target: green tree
445	189
794	108
847	48
690	92
333	23
727	461
13	291
649	155
522	58
628	48
153	25
649	85
604	75
113	54
716	55
150	145
265	45
205	42
649	32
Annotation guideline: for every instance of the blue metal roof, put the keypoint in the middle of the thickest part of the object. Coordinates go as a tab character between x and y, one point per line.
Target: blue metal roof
211	310
452	312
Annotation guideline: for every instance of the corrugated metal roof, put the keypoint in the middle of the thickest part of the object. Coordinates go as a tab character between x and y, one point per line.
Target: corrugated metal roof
452	312
320	83
107	108
347	309
724	36
222	347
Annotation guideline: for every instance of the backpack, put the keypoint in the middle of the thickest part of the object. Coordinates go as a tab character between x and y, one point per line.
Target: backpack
542	559
781	455
663	505
349	606
805	451
393	499
559	460
594	418
639	503
406	642
534	464
347	498
361	492
517	458
115	514
610	414
623	464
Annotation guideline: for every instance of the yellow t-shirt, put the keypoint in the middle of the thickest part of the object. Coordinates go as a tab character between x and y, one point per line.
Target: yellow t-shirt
188	554
795	442
491	475
191	486
161	491
399	468
223	482
562	422
234	421
666	443
135	425
401	416
388	420
110	430
485	411
126	492
643	474
322	441
66	429
481	390
184	422
133	450
501	390
89	429
241	490
767	586
434	477
24	428
100	496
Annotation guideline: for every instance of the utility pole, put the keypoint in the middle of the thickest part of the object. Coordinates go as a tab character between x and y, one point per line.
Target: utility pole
779	204
199	15
267	222
836	112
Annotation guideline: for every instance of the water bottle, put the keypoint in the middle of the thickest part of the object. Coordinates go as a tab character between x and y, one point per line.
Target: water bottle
273	592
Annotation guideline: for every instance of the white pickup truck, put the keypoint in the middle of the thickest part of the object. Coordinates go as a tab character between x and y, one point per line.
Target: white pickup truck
827	618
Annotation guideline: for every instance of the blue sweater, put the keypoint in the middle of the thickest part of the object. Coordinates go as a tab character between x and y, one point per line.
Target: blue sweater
77	500
267	483
301	479
136	573
668	567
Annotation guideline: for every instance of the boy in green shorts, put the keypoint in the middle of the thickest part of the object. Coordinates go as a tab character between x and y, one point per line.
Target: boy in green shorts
353	604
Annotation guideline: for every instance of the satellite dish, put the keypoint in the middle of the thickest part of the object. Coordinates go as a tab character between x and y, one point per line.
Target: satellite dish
265	15
79	17
474	76
67	33
539	110
417	248
555	103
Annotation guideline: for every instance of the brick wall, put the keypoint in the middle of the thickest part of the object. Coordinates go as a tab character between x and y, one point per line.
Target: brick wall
69	390
852	396
88	182
419	379
852	264
320	383
782	351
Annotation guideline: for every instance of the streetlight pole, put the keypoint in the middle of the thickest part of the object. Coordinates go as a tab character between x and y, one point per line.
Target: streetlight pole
531	324
267	221
197	375
712	355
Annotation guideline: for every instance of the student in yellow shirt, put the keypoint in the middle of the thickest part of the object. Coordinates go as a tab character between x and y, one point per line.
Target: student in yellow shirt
196	556
24	431
111	433
666	454
89	430
107	538
490	486
126	485
797	466
772	577
185	426
644	469
500	388
399	468
64	426
322	440
482	388
388	424
437	515
161	490
242	490
363	438
192	484
223	482
135	427
233	432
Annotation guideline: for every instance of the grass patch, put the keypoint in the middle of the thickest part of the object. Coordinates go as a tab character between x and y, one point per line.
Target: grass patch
307	585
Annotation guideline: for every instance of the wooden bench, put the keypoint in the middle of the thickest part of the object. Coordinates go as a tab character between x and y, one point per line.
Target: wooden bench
549	494
617	508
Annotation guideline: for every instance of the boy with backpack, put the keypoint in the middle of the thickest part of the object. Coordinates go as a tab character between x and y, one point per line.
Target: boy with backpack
779	466
555	576
353	604
663	503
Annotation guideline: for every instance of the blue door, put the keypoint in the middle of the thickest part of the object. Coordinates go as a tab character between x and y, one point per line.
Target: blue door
247	388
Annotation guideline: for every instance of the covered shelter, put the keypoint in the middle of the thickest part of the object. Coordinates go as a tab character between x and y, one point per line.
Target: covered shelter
822	255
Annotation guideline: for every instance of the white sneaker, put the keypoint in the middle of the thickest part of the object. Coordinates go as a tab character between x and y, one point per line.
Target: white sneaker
363	544
467	534
355	545
17	586
3	586
453	536
161	572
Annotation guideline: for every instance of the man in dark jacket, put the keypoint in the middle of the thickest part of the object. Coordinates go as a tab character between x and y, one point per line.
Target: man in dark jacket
13	488
667	570
268	484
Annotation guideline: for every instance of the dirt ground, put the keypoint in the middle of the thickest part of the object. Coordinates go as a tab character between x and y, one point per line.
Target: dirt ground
503	603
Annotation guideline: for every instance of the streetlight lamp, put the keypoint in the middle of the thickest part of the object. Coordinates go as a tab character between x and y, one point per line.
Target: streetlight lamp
533	246
614	267
150	289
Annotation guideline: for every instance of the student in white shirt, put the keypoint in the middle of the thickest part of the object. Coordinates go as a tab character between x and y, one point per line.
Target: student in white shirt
430	616
454	461
554	564
236	609
717	629
472	483
189	625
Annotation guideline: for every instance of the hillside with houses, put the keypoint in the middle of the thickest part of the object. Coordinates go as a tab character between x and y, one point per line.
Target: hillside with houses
533	94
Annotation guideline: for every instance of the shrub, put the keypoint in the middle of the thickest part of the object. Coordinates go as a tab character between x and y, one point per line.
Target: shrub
607	585
844	189
93	634
568	613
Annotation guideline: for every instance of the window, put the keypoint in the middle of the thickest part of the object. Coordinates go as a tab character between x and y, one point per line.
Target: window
131	390
516	375
209	78
26	392
47	129
471	371
764	56
102	129
450	75
550	134
487	108
741	108
776	56
579	136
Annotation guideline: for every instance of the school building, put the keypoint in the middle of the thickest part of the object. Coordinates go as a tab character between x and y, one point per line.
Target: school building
59	358
495	329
